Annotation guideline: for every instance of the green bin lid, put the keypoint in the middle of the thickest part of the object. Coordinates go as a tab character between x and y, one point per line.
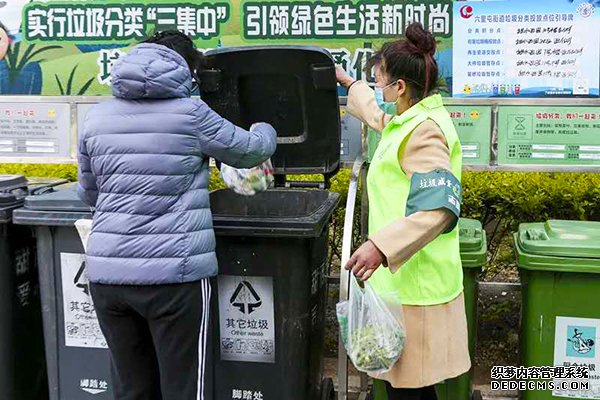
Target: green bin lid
473	244
559	246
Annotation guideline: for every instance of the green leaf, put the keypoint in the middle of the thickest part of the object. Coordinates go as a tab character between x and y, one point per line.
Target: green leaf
60	86
70	81
85	87
26	56
24	61
13	55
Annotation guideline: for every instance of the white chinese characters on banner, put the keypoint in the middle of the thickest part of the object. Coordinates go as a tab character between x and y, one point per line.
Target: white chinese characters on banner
308	20
121	22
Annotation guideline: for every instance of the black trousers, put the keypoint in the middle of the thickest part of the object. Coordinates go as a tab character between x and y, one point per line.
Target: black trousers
426	393
158	338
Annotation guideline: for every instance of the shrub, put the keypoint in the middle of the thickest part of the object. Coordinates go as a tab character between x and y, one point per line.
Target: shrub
500	200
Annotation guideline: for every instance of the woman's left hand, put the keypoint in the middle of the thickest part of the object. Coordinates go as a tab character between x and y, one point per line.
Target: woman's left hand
365	261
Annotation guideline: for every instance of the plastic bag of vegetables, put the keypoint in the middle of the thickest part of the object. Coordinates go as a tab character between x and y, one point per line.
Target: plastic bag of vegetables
248	182
372	334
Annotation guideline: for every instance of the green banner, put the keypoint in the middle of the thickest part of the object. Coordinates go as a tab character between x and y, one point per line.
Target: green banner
548	135
69	48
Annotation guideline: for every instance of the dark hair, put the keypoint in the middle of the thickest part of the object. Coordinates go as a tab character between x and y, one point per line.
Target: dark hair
183	45
410	59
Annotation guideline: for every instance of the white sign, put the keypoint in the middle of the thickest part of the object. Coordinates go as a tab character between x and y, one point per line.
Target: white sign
35	130
576	344
246	319
81	324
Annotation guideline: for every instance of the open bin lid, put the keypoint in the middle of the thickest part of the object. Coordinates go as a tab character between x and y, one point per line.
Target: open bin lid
291	87
473	243
62	207
571	239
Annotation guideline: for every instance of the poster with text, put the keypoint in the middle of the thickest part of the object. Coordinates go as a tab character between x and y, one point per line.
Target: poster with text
526	48
81	325
69	48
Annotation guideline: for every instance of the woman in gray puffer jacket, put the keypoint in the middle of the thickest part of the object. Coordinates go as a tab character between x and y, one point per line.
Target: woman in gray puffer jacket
143	166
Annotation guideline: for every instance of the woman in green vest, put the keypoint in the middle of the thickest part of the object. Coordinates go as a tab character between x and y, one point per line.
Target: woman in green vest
414	205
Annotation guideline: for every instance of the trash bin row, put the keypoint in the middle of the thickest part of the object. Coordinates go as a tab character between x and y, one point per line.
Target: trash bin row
271	246
22	362
269	309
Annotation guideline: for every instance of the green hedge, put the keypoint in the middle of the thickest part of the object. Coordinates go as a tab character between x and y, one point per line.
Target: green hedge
500	200
62	171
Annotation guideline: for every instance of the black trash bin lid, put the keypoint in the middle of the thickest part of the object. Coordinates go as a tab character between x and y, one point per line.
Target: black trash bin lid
61	207
13	188
291	87
63	198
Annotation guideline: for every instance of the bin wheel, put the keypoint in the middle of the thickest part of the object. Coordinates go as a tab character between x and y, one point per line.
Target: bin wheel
327	389
476	395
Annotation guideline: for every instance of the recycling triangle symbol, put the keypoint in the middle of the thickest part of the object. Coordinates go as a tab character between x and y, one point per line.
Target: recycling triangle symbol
245	298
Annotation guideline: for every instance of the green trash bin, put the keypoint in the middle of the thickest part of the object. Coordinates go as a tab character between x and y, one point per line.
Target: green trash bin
559	266
473	251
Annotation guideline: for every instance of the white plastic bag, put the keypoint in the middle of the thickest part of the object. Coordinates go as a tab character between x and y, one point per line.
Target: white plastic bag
372	333
84	228
248	182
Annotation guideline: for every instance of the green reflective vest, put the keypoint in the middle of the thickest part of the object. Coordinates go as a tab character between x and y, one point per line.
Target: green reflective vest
434	274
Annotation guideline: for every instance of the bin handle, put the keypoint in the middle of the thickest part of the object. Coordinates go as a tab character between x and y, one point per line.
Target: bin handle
345	276
534	234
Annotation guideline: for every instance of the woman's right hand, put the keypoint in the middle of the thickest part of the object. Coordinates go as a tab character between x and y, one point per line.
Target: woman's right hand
343	77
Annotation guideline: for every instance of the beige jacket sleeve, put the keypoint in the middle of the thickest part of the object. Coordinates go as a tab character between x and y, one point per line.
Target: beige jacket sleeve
425	151
362	105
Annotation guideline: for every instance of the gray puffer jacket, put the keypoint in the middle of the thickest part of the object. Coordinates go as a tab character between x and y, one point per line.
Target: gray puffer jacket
143	165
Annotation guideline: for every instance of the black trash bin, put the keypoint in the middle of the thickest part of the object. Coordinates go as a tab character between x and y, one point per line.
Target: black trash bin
269	304
78	360
22	362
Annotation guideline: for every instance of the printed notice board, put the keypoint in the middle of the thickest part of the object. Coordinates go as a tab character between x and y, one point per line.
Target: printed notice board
526	48
473	125
35	130
549	135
